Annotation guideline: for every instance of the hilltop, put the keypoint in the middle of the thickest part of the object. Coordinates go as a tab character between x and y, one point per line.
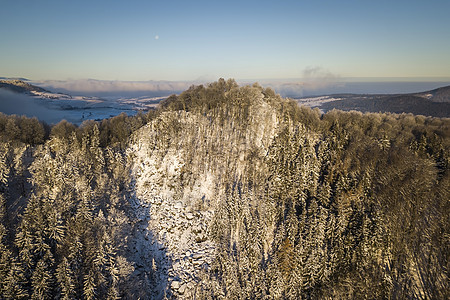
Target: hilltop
437	95
434	103
20	86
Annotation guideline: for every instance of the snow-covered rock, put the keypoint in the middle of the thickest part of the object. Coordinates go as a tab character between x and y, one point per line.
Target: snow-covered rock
176	222
175	185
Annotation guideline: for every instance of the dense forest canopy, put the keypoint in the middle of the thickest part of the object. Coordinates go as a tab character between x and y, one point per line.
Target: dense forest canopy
305	205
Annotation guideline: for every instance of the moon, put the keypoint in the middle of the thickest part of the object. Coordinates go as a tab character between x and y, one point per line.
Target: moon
156	37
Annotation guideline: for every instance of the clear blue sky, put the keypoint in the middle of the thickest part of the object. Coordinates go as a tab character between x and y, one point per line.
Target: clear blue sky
187	40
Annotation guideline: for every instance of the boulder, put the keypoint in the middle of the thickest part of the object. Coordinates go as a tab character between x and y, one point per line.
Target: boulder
175	285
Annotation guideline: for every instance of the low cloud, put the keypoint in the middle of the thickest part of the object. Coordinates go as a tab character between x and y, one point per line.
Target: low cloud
91	87
316	80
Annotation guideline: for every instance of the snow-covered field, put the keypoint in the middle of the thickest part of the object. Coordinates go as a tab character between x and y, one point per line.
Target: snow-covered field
54	107
316	101
80	108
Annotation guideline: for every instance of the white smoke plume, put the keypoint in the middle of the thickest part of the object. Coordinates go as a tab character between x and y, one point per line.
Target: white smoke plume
318	77
315	80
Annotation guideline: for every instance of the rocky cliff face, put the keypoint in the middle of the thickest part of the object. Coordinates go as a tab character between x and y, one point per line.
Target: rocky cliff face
181	163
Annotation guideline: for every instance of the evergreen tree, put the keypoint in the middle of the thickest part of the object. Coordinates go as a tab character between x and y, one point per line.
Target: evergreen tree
41	281
65	279
14	284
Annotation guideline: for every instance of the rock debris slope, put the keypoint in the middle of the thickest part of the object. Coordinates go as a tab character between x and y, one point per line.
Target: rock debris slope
180	164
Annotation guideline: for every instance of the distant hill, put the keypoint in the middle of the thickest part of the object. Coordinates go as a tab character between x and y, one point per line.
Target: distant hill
437	95
434	103
19	86
14	78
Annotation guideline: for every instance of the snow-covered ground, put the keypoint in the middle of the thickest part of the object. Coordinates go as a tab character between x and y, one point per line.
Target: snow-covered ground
141	103
54	107
316	101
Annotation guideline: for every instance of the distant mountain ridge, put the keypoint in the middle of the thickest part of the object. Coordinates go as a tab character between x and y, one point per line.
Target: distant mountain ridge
19	86
434	103
14	78
437	95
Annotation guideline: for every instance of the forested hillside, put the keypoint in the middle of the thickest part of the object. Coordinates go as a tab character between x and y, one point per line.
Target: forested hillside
226	192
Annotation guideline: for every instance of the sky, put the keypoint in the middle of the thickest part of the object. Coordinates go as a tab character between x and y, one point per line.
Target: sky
205	40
